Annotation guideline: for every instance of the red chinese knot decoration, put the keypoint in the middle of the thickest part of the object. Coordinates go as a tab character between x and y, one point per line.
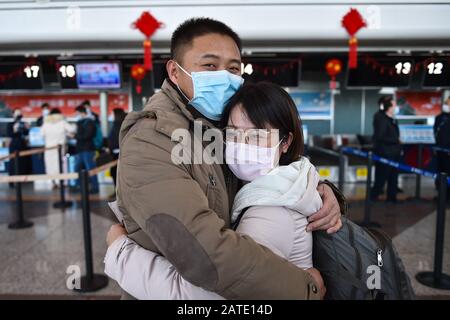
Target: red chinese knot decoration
147	24
353	22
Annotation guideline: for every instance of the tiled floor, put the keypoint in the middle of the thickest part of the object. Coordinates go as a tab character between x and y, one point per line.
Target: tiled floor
34	261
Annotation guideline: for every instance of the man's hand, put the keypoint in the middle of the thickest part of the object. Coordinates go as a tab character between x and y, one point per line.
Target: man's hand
329	216
315	274
114	233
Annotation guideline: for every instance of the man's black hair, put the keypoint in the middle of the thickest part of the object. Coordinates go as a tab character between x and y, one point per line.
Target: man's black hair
45	105
385	103
81	108
185	33
86	103
55	111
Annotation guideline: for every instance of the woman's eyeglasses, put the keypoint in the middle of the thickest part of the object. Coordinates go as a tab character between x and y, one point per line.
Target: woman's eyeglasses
251	136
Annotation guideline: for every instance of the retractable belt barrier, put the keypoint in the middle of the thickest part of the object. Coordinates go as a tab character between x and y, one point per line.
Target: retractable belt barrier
60	176
392	163
436	148
25	153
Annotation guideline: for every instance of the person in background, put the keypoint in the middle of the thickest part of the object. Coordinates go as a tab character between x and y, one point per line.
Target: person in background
5	111
98	140
85	145
387	144
90	113
55	130
442	136
118	116
18	132
45	109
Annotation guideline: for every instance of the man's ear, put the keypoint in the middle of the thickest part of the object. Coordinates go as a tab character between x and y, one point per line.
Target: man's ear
172	71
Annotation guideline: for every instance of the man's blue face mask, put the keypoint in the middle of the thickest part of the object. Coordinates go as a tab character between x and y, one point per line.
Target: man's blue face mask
212	90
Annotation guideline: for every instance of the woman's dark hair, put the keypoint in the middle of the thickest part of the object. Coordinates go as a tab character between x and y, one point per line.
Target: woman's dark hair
55	111
119	114
267	104
385	103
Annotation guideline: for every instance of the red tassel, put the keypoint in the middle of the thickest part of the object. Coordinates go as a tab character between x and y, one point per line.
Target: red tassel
148	65
332	83
138	87
353	53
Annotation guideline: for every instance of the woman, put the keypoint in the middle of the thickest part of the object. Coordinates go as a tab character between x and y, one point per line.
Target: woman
387	144
55	130
264	143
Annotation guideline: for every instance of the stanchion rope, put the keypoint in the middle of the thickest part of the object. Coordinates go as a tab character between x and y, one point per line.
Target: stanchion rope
61	176
392	163
27	153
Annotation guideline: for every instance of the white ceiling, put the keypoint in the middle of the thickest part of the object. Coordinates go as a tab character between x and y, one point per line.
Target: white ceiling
74	27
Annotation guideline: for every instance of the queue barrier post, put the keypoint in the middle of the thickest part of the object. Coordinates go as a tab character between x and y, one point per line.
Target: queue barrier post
89	282
418	176
62	204
366	222
341	179
437	279
20	222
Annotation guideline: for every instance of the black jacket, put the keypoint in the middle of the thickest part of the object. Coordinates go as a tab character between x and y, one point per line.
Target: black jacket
113	138
386	136
85	135
19	137
442	130
40	121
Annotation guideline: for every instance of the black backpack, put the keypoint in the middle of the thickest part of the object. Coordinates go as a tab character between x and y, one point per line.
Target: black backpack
350	257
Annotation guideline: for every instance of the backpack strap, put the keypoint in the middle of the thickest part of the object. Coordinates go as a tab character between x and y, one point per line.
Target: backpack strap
358	263
355	282
238	220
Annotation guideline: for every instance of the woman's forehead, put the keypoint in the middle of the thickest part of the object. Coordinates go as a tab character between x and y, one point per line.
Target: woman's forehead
239	119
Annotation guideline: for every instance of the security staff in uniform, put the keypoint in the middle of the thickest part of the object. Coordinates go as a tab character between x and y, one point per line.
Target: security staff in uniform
442	137
386	140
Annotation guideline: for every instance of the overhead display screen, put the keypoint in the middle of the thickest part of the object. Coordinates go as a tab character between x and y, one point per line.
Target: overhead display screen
437	73
386	72
19	76
98	75
285	73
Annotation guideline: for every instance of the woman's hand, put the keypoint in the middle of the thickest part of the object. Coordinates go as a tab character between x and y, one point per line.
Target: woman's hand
115	232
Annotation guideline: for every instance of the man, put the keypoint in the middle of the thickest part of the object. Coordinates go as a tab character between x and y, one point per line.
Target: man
183	210
18	131
387	144
45	109
91	114
442	136
85	146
